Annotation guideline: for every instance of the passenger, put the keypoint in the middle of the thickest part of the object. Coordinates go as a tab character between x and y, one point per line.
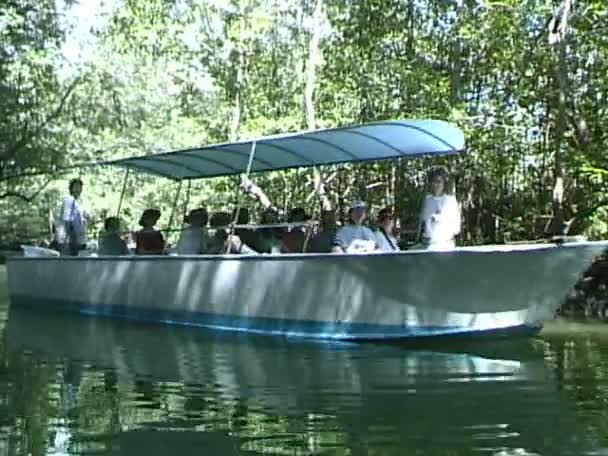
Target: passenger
323	241
292	241
264	240
387	242
355	237
111	243
149	240
219	242
268	239
193	239
70	230
440	214
247	235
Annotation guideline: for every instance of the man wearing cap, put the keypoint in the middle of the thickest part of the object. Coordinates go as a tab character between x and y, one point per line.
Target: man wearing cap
355	236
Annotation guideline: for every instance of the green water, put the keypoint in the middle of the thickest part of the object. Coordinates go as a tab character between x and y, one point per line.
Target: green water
75	385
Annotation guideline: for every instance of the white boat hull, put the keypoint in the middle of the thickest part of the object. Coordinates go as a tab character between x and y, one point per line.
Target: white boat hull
376	296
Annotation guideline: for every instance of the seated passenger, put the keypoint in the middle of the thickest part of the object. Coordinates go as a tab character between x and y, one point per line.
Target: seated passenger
149	240
193	239
268	239
110	242
247	235
387	242
221	240
323	241
292	240
265	240
355	237
440	214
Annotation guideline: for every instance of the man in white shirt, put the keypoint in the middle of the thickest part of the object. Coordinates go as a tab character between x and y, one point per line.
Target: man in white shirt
72	225
193	239
355	237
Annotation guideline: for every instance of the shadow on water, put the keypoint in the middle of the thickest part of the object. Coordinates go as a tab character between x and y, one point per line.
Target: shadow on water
83	385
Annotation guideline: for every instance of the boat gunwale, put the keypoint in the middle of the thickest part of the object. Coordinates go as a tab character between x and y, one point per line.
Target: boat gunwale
502	249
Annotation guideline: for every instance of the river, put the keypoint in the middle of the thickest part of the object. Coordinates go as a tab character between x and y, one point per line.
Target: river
76	385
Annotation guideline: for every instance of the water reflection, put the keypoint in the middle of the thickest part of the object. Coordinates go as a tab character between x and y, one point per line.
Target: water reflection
80	386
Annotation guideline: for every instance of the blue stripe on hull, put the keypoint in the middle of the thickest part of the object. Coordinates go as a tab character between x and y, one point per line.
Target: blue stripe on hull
273	326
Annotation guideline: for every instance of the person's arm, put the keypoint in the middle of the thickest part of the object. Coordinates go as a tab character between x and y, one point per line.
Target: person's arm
256	192
422	217
338	244
124	248
162	243
455	215
204	242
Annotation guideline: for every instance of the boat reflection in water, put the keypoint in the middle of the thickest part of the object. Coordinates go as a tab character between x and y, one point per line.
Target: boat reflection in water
190	391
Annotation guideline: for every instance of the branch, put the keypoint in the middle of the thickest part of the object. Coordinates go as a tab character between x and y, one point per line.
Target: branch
27	199
25	140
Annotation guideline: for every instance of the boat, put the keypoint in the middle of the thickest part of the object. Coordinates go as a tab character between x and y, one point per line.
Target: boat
389	393
497	290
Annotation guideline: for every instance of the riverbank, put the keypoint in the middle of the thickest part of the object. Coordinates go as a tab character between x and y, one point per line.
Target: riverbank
589	298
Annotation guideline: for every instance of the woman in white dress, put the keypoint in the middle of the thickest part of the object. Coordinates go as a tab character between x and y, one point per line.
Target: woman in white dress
440	214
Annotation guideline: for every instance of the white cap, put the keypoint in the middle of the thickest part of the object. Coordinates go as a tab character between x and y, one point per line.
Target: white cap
358	204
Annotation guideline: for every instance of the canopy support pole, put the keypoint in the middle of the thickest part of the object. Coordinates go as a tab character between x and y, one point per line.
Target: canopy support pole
174	208
122	193
238	205
187	201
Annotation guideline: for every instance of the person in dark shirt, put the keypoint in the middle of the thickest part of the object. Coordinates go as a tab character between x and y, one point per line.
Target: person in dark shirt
111	243
292	240
149	240
323	241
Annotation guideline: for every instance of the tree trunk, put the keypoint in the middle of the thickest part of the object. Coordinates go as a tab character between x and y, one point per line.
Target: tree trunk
557	36
309	92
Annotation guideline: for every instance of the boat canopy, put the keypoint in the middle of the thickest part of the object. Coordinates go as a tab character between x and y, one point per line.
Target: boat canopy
366	142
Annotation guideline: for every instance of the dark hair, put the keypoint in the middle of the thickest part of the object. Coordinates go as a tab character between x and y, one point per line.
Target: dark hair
111	222
243	215
149	214
199	212
385	214
297	214
74	182
438	172
220	219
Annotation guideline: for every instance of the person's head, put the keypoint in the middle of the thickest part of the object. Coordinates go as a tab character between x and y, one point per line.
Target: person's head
111	225
438	179
243	218
219	221
358	212
386	219
297	214
149	218
328	221
75	187
269	217
197	217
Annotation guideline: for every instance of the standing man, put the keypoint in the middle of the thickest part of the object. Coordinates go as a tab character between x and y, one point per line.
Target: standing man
72	225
